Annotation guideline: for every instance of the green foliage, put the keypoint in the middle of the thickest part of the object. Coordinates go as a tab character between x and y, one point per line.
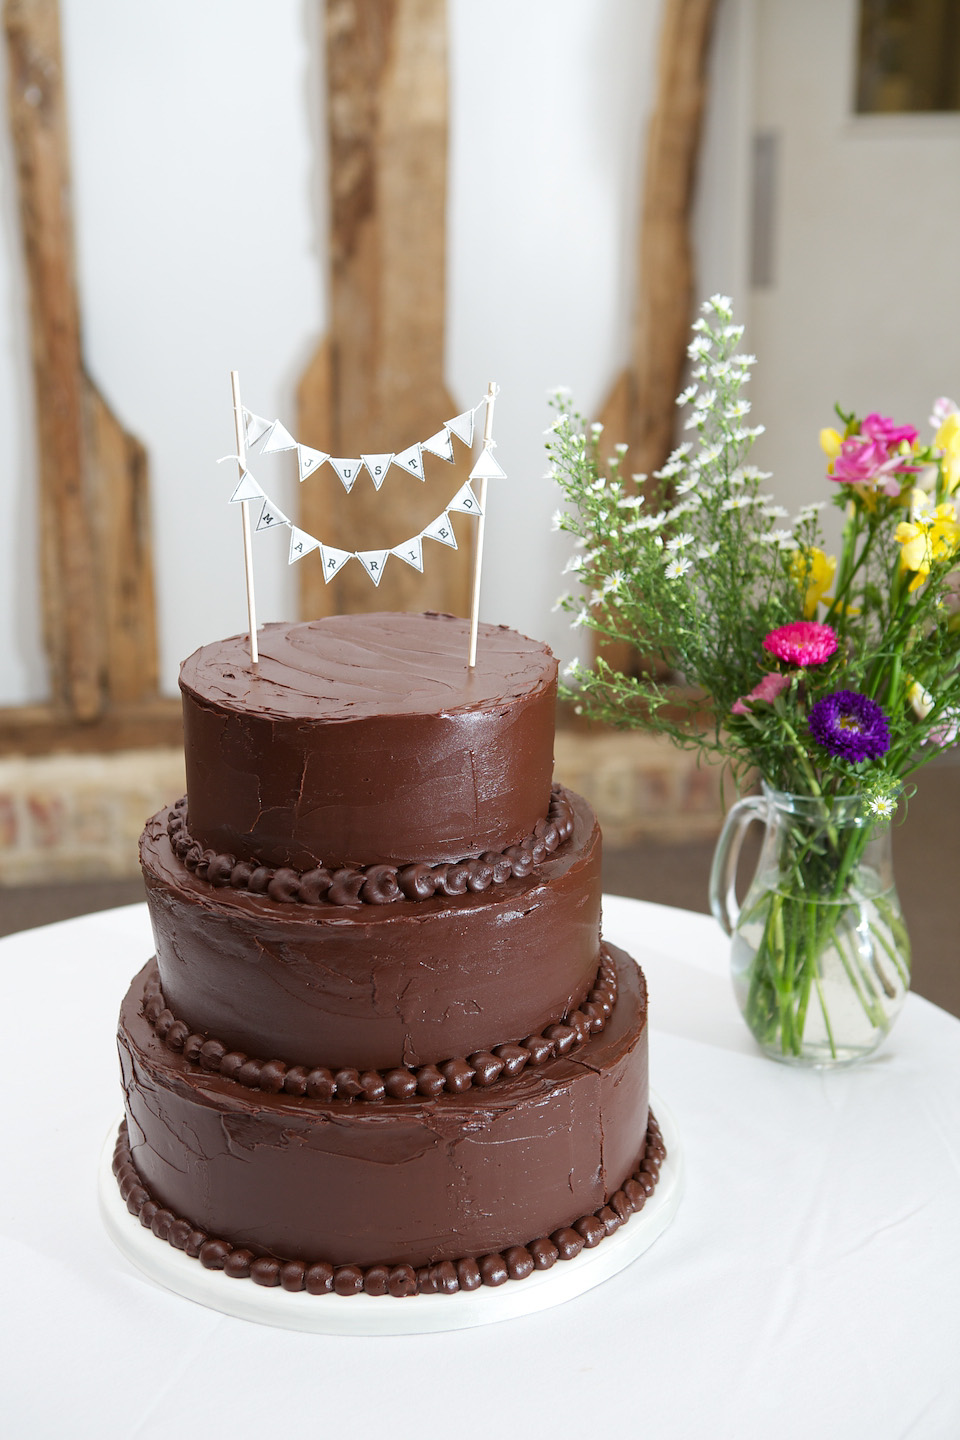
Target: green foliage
696	565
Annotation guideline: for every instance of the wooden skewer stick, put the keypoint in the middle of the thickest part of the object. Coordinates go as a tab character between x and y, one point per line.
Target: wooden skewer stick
245	517
478	560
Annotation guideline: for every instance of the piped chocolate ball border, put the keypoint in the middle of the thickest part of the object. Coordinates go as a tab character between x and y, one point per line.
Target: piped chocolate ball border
373	884
447	1277
482	1069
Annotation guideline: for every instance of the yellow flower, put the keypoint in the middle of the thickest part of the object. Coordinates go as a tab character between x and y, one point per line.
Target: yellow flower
921	701
813	571
830	442
930	536
947	439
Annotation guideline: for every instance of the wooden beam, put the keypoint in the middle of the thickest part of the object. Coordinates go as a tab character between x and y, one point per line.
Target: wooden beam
376	382
40	730
96	565
640	410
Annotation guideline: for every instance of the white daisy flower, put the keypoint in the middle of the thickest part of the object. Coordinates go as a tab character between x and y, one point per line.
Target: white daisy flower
699	347
687	395
677	567
883	806
596	428
705	399
707	552
680	542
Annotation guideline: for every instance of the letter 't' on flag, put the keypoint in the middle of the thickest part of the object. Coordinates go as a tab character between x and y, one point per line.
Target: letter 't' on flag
461	426
411	551
466	501
441	529
440	444
248	489
309	460
486	467
333	560
270	516
300	544
378	465
255	426
348	470
412	460
278	439
374	562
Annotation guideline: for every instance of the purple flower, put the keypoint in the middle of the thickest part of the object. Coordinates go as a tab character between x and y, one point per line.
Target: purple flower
850	726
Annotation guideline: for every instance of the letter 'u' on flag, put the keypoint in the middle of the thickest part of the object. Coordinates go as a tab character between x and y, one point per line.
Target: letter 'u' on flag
348	470
278	439
441	529
412	460
300	544
310	460
333	560
411	551
373	561
378	465
270	516
466	501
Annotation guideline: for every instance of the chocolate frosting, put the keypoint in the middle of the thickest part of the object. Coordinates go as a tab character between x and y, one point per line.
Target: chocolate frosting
411	983
401	1182
366	739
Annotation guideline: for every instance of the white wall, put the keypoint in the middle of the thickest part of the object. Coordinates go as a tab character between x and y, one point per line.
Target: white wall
199	202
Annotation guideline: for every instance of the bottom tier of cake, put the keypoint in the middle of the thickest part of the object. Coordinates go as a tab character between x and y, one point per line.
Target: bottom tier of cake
402	1194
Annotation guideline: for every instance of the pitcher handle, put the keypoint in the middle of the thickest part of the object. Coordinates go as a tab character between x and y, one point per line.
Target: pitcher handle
723	873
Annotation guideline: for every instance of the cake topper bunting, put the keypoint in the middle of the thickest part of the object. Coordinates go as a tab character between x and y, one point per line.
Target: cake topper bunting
273	437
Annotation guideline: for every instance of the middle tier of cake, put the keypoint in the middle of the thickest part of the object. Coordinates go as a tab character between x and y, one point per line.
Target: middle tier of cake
373	986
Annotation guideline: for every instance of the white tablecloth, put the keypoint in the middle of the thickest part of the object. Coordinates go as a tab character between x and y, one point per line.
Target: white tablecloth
809	1286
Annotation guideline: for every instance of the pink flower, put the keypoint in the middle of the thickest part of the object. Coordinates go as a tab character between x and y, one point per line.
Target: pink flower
866	462
767	690
803	642
882	429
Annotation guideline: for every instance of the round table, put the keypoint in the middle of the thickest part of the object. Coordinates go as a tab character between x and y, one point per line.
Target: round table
809	1285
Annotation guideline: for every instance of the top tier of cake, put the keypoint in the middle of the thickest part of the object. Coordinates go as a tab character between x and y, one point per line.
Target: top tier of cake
366	739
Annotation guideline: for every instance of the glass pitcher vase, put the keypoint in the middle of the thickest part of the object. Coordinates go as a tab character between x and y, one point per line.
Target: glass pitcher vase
820	955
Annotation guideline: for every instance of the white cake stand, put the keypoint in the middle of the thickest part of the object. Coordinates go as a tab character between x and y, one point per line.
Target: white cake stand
382	1314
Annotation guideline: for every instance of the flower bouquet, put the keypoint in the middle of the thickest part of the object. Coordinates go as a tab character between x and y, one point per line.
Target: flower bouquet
833	678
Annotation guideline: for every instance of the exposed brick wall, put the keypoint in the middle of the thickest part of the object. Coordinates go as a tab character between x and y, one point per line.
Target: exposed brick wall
79	817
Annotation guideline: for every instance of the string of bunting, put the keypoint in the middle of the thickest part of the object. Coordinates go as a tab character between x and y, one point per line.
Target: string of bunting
273	437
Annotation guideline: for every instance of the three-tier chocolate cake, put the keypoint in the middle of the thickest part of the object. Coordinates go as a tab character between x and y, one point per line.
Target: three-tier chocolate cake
382	1046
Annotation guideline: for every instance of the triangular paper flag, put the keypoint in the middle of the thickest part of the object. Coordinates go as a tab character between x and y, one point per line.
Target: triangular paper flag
466	501
462	426
348	470
255	425
300	544
486	467
378	465
373	561
411	460
309	460
248	489
271	516
441	529
440	444
278	439
411	551
333	560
